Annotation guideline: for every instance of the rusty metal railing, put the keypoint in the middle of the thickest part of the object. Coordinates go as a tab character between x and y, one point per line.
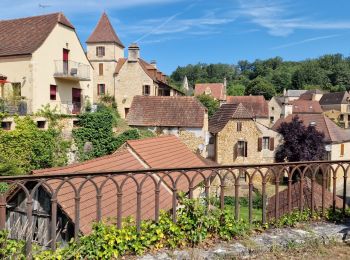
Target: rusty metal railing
52	204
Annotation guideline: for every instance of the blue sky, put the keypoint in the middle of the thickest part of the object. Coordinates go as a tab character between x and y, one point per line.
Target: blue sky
179	32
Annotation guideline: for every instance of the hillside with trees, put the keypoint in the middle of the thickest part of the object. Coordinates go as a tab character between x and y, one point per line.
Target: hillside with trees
269	77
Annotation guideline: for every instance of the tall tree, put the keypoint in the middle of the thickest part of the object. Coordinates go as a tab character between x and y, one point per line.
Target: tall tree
260	86
210	103
300	143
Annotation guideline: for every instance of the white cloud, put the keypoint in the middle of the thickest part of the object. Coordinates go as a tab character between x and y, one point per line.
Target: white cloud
305	41
280	17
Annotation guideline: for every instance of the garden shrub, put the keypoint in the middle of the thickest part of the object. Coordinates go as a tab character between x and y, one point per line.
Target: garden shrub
10	249
28	148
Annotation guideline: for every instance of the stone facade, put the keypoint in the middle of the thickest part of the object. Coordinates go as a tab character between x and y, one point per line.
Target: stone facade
275	111
113	53
227	141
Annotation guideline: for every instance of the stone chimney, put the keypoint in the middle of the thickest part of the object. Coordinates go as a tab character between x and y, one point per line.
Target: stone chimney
133	52
154	63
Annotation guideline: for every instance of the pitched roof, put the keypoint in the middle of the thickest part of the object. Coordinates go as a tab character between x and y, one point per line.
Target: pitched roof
226	112
176	111
164	152
332	132
257	105
104	32
217	90
295	92
155	74
23	36
309	94
306	106
335	98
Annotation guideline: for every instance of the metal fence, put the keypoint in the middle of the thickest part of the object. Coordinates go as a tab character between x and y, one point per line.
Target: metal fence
82	198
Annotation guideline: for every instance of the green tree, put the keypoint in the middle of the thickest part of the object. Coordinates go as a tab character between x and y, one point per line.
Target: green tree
260	86
235	89
210	103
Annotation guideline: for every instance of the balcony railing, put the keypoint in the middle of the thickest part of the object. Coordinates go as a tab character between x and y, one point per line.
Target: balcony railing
97	196
16	106
67	107
72	70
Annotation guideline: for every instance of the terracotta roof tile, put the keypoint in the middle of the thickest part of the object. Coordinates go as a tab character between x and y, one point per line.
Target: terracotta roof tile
168	111
23	36
306	106
257	105
226	112
167	151
104	32
217	90
332	132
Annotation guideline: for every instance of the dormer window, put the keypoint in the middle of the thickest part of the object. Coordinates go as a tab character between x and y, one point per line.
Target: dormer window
100	51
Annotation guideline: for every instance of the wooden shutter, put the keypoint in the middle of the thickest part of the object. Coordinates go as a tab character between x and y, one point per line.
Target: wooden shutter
239	126
342	150
272	143
245	149
100	69
259	144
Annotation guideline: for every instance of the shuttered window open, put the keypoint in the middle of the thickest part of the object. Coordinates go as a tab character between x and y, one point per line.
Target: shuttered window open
341	150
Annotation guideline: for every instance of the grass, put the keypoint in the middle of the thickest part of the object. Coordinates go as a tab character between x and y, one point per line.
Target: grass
244	212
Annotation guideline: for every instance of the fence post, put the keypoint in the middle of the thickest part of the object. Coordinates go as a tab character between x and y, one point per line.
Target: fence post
2	211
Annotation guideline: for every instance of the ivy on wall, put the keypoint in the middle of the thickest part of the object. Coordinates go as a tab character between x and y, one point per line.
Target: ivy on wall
28	148
94	137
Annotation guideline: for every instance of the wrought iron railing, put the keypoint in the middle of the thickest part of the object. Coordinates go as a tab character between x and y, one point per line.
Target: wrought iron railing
110	196
17	106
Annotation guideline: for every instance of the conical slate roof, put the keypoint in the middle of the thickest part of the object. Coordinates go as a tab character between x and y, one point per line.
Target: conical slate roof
104	32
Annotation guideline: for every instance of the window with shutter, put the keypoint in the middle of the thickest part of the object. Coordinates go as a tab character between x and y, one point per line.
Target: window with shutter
146	90
245	149
101	89
100	51
242	149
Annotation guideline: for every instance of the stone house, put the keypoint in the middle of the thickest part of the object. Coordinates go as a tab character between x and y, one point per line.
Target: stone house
45	63
120	77
216	90
256	105
336	105
184	117
275	105
159	152
337	139
237	138
313	94
104	49
292	94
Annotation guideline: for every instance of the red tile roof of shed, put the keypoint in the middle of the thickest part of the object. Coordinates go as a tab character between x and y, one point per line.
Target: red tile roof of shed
23	36
166	152
257	105
166	111
217	90
104	32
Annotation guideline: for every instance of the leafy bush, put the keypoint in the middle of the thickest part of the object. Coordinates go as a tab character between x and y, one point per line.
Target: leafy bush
10	249
28	148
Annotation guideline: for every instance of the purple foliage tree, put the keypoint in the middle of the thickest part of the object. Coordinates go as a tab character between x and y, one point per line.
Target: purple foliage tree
300	143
